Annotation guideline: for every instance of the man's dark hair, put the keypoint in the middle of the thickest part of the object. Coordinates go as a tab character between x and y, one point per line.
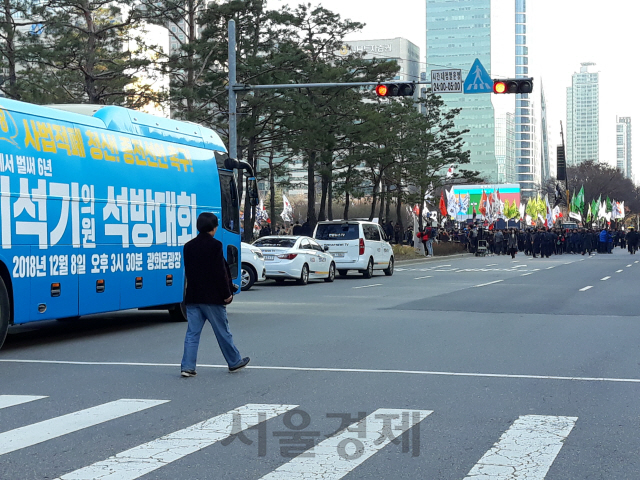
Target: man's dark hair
207	221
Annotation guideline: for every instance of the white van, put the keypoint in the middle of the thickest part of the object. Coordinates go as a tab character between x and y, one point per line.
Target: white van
356	245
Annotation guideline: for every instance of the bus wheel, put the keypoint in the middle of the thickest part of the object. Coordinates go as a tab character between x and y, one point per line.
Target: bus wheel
5	312
179	313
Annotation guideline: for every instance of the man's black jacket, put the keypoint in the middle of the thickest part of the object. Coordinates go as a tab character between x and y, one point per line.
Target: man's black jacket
208	275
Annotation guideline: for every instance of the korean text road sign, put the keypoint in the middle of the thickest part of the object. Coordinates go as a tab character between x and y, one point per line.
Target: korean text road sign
446	81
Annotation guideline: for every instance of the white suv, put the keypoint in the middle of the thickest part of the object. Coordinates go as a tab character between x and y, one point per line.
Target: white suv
356	245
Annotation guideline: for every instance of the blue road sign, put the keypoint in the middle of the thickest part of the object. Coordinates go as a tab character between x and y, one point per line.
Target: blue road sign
478	80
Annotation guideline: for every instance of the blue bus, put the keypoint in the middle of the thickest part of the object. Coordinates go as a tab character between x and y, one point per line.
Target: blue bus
96	203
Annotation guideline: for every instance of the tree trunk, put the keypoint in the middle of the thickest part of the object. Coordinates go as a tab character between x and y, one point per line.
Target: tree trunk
311	190
347	200
382	199
272	192
374	200
399	214
323	198
330	199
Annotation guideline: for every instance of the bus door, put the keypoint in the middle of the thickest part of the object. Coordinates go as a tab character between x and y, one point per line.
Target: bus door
230	221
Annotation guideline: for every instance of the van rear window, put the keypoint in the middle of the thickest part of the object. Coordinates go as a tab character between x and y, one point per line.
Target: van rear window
337	231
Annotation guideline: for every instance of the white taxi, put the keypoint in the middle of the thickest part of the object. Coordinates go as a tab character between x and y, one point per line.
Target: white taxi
253	269
296	257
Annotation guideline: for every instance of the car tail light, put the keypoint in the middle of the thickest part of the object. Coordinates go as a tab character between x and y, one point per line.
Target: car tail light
288	256
361	251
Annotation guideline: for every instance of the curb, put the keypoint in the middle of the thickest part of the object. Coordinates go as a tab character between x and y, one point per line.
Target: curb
432	259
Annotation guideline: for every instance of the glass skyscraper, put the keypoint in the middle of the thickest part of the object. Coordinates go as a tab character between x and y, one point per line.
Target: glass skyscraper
457	33
583	116
623	146
526	166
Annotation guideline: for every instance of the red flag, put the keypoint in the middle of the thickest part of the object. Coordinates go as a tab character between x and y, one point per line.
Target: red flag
483	204
443	206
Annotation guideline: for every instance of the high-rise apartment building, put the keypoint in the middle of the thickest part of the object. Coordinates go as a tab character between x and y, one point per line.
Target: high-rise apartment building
583	116
623	146
458	33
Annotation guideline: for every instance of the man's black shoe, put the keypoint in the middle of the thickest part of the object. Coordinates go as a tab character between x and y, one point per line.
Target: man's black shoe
188	373
245	361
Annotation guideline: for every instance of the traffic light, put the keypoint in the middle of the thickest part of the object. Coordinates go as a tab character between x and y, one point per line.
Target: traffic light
561	171
395	89
513	85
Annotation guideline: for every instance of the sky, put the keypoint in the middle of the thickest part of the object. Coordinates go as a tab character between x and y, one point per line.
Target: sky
561	34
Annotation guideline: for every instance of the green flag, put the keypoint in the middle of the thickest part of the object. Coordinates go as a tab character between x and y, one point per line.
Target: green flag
594	209
609	206
580	200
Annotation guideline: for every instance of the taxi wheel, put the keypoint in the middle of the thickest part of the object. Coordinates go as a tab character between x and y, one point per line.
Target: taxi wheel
248	277
389	270
332	273
368	273
304	275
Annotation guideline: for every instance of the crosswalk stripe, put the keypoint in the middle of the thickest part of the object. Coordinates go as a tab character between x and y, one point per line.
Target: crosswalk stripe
11	400
146	458
332	460
42	431
526	450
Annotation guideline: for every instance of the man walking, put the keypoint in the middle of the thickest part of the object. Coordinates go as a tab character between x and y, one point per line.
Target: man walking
209	291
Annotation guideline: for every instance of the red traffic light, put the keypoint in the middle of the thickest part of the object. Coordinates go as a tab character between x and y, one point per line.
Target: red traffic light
395	89
382	90
513	85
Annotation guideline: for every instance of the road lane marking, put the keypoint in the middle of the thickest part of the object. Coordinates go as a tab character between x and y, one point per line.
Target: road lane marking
628	266
586	288
518	266
367	286
605	278
420	278
490	283
150	456
526	450
331	370
492	265
336	456
552	266
636	261
56	427
12	400
568	263
618	271
525	274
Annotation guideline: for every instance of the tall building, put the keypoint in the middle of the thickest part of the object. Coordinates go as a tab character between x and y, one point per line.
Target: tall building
528	172
458	32
545	159
405	53
505	148
583	116
623	146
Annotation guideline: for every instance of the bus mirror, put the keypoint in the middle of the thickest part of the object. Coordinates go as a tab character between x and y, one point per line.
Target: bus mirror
252	191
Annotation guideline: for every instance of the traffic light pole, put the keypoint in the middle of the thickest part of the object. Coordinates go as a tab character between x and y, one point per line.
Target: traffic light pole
235	87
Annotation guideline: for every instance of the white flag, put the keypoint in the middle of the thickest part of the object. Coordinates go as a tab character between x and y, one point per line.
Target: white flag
452	204
522	210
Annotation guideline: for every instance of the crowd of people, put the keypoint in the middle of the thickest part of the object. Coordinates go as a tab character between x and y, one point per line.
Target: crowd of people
536	242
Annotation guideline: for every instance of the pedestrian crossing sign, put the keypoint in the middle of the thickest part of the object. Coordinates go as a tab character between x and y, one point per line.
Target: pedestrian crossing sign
478	80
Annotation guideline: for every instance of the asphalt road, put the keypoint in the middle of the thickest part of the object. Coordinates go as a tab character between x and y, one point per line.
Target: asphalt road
478	368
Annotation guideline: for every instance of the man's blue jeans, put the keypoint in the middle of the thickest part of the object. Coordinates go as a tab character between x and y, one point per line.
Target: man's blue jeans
197	315
429	245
